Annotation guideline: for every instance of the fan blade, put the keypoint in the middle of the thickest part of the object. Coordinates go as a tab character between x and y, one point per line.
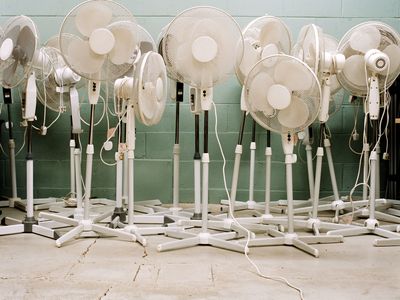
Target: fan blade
279	96
270	49
393	51
258	93
185	64
293	75
26	45
365	38
82	59
125	34
92	15
250	58
294	116
9	73
354	70
271	32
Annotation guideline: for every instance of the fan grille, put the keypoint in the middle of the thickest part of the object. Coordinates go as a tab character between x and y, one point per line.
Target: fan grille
388	36
270	119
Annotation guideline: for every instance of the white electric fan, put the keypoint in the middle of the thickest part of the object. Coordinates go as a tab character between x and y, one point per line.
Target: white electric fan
200	48
59	93
310	48
264	36
21	59
146	44
144	95
176	92
7	100
372	51
290	95
98	39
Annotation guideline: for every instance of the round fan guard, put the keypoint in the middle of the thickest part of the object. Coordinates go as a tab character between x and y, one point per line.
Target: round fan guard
82	23
260	32
275	69
381	35
187	35
150	89
22	31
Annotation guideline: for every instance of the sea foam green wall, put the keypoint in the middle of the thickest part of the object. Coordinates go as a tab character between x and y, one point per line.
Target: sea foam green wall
154	145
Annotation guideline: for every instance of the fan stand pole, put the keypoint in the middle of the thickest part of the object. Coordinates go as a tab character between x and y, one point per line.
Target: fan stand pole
30	223
175	212
251	204
119	172
86	226
219	240
371	225
71	198
299	204
291	238
133	219
261	223
314	223
140	206
11	152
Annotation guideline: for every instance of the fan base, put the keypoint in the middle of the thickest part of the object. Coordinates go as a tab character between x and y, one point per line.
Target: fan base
219	240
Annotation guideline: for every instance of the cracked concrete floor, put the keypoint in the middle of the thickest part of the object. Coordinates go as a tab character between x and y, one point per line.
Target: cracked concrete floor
32	267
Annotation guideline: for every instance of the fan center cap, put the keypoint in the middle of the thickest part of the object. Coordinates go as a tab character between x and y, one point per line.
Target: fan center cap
101	41
204	49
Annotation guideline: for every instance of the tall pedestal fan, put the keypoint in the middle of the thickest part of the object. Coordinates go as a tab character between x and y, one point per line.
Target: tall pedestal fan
291	95
200	49
372	51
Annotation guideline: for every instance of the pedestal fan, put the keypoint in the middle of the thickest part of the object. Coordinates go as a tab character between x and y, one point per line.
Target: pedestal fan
325	64
144	95
291	95
12	40
372	51
176	92
200	48
97	41
59	92
21	59
264	36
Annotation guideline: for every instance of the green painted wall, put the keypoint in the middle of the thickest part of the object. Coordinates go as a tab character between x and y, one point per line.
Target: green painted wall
154	145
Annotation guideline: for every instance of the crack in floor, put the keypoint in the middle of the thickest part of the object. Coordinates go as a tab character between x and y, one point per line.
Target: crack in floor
80	258
105	293
137	272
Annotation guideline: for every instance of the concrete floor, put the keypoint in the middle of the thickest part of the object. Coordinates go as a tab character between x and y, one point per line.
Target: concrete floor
32	267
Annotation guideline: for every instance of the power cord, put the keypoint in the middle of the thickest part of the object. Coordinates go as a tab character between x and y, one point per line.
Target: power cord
259	273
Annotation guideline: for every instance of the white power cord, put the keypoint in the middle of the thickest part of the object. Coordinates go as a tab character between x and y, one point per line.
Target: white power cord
274	278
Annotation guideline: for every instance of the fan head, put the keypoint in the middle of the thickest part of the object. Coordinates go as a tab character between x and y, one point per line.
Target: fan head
283	94
201	45
99	39
310	47
53	90
17	50
370	48
264	36
150	89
